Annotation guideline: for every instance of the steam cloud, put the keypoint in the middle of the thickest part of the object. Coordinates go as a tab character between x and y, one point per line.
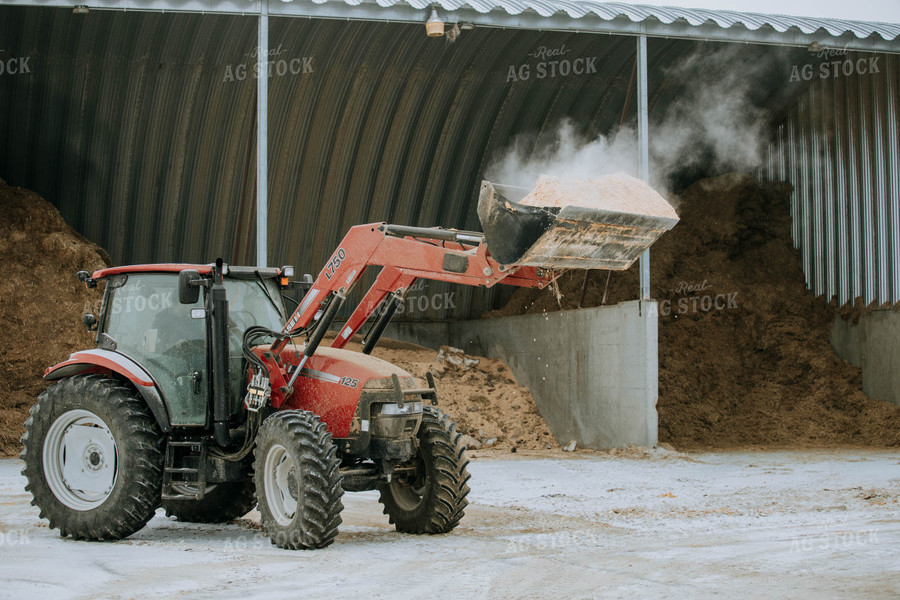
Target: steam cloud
712	123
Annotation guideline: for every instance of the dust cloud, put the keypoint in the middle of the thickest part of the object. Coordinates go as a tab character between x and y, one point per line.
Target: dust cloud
713	123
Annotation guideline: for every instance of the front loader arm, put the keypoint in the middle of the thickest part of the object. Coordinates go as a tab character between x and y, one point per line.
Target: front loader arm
407	254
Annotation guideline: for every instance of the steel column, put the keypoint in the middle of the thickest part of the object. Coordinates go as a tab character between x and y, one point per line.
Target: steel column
643	149
262	136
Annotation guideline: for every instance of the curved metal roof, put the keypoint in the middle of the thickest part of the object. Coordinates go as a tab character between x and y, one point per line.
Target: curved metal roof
567	15
637	13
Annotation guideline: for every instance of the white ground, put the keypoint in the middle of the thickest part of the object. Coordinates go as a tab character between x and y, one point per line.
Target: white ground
787	524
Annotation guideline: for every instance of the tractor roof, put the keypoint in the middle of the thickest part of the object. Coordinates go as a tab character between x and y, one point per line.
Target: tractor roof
240	272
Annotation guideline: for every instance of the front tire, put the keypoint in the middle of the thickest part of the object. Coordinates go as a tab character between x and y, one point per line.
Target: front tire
298	480
93	458
223	503
432	499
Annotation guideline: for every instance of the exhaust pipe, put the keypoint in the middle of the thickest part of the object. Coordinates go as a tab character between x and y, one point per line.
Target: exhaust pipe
219	309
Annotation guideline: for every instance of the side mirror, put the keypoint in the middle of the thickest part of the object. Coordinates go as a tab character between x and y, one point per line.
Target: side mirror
189	287
85	278
90	321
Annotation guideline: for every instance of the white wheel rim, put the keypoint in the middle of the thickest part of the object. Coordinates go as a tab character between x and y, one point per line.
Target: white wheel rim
282	484
80	460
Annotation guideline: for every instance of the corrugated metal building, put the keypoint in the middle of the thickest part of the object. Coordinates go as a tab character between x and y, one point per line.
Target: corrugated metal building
838	145
138	122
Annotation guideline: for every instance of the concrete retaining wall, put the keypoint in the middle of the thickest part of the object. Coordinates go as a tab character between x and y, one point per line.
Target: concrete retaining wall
593	372
874	346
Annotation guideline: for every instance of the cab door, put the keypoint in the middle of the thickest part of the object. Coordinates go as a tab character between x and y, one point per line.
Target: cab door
143	317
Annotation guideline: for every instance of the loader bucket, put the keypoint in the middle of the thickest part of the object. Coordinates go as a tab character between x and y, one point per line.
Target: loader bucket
567	237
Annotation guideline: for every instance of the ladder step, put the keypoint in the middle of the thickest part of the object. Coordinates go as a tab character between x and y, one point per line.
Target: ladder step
181	496
173	475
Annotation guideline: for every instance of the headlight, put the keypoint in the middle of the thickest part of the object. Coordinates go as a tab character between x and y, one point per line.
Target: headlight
393	409
389	421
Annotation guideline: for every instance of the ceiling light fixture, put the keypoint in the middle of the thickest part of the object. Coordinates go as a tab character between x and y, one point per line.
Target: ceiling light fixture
434	27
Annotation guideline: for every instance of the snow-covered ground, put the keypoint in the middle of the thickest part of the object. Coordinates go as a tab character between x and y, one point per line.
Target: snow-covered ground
763	524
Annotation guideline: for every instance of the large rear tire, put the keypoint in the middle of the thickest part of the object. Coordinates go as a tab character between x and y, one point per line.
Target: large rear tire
93	458
432	498
223	503
298	480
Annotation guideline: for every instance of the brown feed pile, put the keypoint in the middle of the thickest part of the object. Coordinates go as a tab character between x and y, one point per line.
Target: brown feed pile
42	301
480	394
744	358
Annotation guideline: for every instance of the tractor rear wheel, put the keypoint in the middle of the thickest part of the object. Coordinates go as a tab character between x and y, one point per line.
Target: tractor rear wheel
298	480
222	503
430	497
93	458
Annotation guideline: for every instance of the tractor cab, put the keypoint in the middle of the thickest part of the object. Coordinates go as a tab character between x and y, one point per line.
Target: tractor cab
143	319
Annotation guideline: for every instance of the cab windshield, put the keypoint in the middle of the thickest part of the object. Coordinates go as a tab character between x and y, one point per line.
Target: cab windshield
251	303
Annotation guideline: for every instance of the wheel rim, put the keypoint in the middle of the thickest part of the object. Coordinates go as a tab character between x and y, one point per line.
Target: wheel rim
80	460
282	485
408	493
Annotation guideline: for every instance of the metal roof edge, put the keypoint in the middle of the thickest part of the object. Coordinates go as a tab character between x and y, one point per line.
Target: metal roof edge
588	17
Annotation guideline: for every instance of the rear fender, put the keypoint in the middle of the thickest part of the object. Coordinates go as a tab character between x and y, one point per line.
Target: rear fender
108	362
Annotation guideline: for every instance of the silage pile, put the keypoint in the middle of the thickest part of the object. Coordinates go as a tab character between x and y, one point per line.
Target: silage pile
480	394
42	301
743	346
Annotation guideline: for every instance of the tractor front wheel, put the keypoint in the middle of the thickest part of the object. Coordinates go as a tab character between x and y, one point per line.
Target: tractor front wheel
93	458
298	480
428	494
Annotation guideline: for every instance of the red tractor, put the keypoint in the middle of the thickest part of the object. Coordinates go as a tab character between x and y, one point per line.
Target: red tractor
198	399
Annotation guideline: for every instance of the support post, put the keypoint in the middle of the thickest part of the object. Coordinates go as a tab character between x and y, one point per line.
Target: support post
262	136
643	149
